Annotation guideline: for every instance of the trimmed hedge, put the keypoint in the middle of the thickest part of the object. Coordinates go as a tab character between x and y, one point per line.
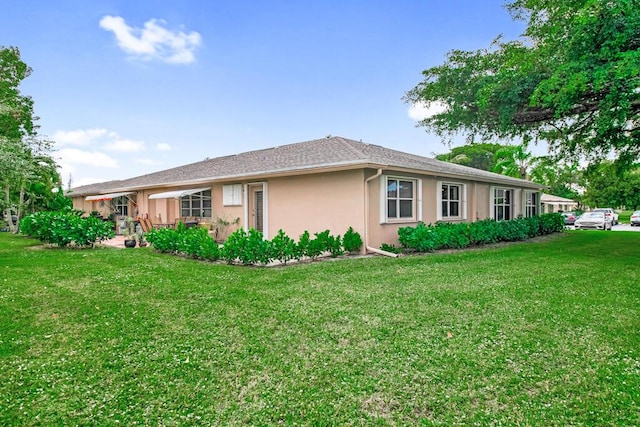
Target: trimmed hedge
66	227
428	238
250	248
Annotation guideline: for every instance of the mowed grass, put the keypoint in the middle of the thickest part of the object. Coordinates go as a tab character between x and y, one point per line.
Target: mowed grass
537	333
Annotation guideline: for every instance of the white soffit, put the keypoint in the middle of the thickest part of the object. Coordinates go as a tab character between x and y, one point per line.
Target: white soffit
177	194
109	196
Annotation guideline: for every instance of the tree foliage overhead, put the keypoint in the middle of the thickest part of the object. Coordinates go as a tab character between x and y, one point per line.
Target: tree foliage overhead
28	174
475	155
561	178
514	160
610	186
16	110
572	80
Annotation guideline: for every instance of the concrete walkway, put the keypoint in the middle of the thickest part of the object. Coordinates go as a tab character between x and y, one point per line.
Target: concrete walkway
116	242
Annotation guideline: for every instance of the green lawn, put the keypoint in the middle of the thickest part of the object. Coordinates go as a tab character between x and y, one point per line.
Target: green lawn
544	333
625	217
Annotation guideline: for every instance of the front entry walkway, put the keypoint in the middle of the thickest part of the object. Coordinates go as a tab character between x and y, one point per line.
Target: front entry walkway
116	242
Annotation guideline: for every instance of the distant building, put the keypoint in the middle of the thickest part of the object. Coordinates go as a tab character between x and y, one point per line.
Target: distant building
551	203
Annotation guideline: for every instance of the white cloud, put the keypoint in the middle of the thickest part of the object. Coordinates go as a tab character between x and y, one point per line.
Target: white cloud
73	156
421	111
73	160
84	181
125	145
98	155
82	137
150	162
153	41
98	138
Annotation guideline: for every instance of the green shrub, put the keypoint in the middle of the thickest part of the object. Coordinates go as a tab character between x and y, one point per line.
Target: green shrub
334	244
419	238
164	239
90	230
551	223
250	248
195	242
283	248
390	248
319	245
66	227
427	238
302	248
207	248
257	249
234	246
352	242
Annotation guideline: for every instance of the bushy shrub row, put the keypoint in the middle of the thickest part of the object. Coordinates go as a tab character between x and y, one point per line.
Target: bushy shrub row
427	238
250	248
66	227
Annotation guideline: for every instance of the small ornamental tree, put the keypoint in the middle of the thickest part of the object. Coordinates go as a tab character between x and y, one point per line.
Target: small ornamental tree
352	242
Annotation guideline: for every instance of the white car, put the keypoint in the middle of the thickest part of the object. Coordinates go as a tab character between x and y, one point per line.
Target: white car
610	213
594	221
635	218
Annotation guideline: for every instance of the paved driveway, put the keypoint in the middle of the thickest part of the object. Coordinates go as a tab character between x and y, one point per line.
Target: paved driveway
625	227
619	227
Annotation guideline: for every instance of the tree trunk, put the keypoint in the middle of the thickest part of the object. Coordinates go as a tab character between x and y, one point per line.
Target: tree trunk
7	211
20	203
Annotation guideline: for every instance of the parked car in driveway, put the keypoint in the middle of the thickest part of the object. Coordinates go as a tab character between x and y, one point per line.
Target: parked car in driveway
569	217
635	218
610	213
594	221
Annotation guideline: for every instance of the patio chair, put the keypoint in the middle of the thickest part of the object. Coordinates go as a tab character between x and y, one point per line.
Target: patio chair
146	225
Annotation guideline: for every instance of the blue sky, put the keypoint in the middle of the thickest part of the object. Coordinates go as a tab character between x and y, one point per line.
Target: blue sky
126	88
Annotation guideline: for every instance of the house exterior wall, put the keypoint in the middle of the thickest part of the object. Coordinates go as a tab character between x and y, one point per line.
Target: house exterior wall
81	204
550	207
316	202
483	201
476	204
333	200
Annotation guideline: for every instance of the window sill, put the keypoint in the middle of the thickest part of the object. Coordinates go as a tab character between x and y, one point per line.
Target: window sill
400	221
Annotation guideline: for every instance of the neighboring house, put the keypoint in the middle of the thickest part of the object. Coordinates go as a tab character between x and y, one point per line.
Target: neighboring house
551	203
331	183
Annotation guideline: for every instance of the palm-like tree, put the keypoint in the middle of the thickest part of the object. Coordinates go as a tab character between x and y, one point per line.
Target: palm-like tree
514	160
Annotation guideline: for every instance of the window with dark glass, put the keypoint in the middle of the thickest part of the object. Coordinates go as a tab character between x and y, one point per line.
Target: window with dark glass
450	197
196	205
531	204
502	204
120	205
400	197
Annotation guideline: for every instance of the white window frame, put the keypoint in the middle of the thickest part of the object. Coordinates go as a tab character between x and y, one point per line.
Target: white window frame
462	200
527	207
201	197
265	205
416	206
493	204
232	195
120	205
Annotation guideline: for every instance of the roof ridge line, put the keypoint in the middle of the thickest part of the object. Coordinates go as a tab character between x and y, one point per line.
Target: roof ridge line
358	152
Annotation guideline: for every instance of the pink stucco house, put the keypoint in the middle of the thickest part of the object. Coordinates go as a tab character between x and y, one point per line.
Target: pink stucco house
331	183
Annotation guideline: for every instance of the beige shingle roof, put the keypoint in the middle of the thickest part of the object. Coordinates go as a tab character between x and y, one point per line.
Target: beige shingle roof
330	152
550	198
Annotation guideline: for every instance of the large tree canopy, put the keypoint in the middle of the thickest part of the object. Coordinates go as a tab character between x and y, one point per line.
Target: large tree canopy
16	110
28	174
609	186
572	80
475	155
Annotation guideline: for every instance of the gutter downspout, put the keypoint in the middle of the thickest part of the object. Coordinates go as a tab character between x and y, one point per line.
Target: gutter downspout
366	218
